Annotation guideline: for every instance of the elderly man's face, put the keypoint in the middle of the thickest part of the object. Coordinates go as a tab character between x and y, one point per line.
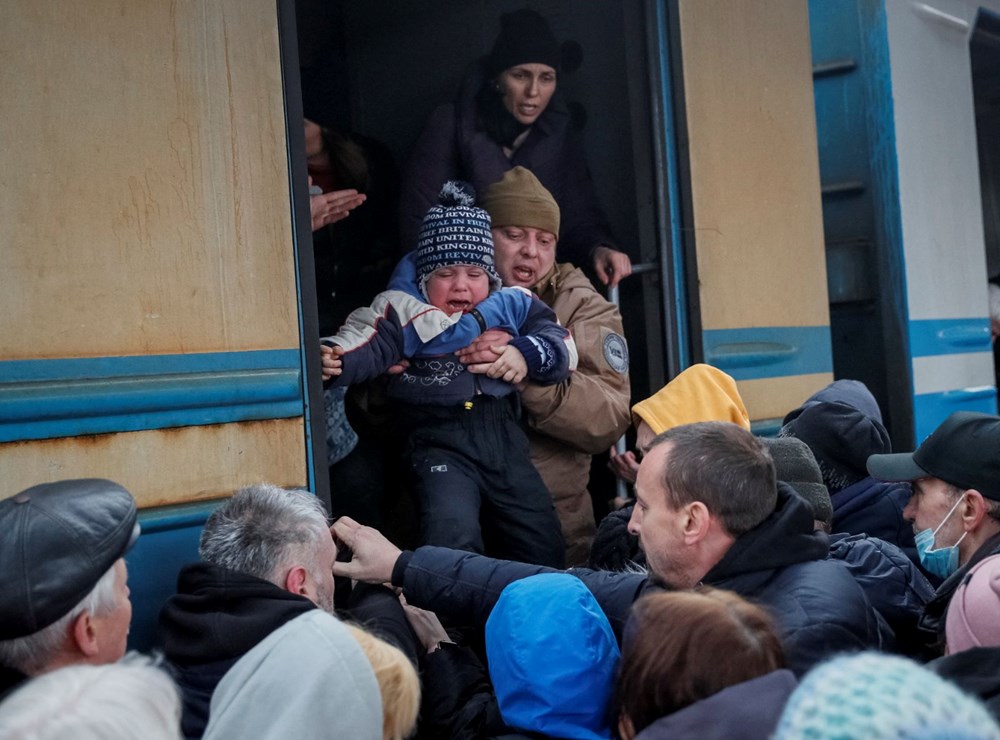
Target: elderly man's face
112	627
524	254
929	507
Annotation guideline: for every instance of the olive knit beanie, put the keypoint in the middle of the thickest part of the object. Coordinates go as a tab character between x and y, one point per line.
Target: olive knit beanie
519	199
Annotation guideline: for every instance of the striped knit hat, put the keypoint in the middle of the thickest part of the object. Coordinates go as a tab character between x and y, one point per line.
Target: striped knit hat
455	232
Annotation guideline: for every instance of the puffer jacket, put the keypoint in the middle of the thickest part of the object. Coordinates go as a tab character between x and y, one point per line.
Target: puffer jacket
875	508
395	325
453	147
895	588
781	564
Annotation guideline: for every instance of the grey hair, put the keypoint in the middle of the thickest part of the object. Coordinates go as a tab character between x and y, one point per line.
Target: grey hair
263	530
992	507
116	701
32	653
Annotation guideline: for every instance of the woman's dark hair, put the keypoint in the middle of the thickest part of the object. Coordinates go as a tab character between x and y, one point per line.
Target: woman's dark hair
348	163
681	647
493	116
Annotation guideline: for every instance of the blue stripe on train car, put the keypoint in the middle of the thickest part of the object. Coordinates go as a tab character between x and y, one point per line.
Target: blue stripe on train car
769	352
42	399
930	409
940	338
929	337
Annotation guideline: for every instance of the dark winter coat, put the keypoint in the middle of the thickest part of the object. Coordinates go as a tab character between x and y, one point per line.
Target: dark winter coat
458	701
932	621
895	588
452	147
215	618
875	508
976	671
748	711
781	564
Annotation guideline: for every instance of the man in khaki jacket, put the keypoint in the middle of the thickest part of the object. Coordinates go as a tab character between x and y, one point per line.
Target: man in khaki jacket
584	415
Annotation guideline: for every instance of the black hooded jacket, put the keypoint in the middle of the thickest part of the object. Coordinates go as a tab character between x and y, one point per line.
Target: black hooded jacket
781	564
216	617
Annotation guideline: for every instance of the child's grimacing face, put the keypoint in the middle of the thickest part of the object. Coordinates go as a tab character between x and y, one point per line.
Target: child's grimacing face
457	288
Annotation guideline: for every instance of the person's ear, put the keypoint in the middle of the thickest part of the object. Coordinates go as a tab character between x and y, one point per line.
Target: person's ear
84	634
295	581
695	522
973	510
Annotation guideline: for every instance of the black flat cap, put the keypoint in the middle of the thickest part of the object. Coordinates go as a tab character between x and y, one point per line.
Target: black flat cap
57	540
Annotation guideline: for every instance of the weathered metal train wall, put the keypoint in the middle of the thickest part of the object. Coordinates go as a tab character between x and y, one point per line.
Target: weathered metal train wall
150	325
755	198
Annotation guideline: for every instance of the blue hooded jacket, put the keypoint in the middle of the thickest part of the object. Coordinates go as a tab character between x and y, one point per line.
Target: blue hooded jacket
552	656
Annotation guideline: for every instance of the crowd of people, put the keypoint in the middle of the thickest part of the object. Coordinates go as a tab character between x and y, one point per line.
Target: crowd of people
811	585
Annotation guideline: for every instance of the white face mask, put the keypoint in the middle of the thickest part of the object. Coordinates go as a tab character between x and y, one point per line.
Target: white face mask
942	561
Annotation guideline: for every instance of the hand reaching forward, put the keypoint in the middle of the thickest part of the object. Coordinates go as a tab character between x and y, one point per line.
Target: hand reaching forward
329	208
373	555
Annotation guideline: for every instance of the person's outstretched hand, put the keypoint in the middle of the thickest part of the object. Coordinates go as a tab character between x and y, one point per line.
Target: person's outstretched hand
329	208
373	555
611	265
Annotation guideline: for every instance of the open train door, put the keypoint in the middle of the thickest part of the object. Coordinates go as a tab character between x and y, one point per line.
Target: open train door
900	88
154	235
940	207
753	207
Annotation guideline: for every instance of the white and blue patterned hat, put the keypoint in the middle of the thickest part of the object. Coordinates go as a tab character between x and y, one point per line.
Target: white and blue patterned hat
871	695
455	232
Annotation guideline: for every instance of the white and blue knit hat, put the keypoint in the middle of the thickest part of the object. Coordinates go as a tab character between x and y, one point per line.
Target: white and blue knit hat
455	232
872	695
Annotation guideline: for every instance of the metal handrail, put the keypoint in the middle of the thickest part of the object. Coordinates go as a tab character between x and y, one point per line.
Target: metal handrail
643	268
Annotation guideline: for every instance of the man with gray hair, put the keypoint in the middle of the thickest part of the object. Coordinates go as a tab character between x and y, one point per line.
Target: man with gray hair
267	557
64	599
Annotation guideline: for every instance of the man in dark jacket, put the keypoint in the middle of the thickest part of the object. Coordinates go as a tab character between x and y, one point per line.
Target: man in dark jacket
267	557
708	511
955	506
